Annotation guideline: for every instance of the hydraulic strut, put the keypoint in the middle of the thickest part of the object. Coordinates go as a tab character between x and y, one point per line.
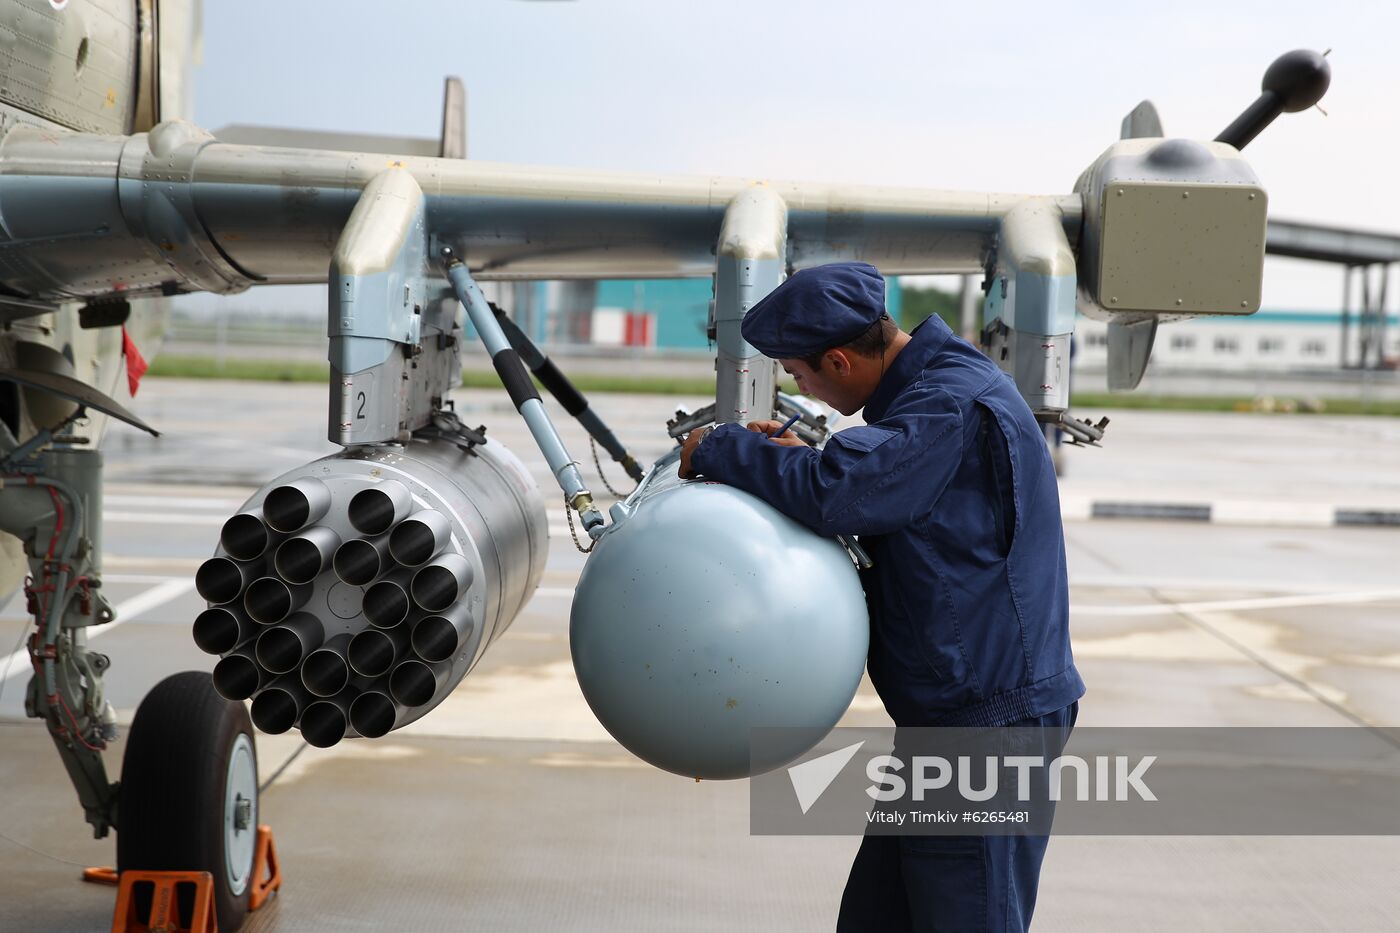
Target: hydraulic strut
523	394
574	402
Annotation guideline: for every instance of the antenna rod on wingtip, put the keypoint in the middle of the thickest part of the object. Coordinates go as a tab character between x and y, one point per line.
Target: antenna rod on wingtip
1295	81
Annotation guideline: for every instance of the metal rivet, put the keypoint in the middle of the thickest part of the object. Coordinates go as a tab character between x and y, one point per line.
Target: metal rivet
1113	301
1244	304
1120	192
1186	194
1178	301
1251	197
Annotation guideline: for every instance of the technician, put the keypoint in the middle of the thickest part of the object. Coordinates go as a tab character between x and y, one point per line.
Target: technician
951	489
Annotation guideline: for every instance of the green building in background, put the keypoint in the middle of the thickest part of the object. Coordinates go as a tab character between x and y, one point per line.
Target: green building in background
682	306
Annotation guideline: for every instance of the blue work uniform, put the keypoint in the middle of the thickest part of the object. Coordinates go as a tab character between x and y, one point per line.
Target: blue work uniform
951	489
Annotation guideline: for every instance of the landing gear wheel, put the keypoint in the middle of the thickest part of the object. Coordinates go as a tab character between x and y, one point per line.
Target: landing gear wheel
189	791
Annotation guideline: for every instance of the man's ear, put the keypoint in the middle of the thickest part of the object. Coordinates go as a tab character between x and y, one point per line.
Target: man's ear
839	362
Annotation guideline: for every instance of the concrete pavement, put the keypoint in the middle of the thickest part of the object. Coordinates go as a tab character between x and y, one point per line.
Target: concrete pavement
509	808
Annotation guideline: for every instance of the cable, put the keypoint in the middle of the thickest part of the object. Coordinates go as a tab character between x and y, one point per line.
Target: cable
47	855
262	788
568	513
599	464
77	729
58	523
10	658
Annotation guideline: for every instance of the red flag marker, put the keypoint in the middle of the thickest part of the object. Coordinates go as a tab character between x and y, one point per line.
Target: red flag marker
136	364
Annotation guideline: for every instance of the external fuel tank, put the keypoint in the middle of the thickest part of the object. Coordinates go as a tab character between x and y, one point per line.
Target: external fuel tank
705	613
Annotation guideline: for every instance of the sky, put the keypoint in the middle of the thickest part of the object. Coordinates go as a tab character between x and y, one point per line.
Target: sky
1014	97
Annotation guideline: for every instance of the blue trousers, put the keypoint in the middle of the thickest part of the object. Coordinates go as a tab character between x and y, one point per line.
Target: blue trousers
948	884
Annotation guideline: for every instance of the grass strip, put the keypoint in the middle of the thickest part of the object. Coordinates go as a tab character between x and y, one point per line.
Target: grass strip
195	367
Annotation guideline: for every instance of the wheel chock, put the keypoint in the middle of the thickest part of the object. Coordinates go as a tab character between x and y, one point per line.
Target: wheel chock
103	875
164	918
267	870
165	907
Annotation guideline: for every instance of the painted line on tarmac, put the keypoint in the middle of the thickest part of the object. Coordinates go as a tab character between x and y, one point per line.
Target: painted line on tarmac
1389	517
1241	605
126	611
179	502
1230	584
1174	511
165	518
151	578
240	444
1228	512
190	564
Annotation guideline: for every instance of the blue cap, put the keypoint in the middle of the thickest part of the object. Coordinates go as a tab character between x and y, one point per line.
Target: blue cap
816	309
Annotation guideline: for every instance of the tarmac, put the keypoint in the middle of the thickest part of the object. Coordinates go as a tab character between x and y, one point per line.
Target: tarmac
509	807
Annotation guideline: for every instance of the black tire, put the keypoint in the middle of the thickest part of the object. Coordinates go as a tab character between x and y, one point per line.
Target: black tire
175	780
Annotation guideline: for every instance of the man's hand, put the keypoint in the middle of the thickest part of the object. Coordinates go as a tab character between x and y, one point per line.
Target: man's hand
787	438
692	441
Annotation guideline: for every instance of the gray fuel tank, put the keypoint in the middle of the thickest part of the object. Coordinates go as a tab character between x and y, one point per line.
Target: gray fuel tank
704	613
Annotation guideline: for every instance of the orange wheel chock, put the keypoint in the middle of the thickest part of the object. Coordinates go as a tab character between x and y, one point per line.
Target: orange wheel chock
164	916
165	905
267	871
100	875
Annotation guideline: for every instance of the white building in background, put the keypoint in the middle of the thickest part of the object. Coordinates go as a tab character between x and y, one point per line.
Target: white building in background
1263	341
1366	336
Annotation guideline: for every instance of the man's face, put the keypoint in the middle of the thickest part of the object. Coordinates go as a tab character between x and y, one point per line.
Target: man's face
836	383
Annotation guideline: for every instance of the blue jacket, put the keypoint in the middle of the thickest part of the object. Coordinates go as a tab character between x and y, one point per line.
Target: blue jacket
950	487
